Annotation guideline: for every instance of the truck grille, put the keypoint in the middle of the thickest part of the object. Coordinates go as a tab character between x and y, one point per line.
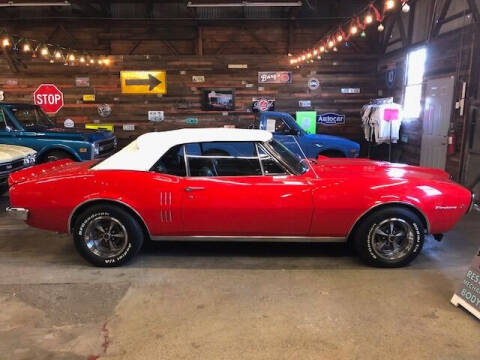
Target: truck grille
11	166
106	147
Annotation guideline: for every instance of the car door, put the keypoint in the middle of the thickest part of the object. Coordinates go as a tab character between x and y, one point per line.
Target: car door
229	191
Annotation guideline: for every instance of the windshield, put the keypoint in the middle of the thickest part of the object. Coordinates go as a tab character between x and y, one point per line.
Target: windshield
32	117
292	160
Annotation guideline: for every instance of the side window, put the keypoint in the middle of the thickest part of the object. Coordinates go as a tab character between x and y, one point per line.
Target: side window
172	162
269	165
3	123
277	126
223	159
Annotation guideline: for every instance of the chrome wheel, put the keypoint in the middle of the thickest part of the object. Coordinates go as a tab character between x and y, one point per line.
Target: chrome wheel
105	236
392	239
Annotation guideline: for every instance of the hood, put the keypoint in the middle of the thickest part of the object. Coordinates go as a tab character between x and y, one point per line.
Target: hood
334	140
346	167
60	168
89	135
10	153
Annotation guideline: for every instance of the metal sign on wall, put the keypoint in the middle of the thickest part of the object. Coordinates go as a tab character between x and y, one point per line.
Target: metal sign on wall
274	77
331	119
49	98
143	82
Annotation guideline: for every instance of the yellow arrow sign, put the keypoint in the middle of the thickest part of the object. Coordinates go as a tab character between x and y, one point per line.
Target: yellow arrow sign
143	82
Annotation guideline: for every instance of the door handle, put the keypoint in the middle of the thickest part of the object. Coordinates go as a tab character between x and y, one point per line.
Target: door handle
194	188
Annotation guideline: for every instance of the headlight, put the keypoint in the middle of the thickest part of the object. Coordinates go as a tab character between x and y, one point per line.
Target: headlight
29	159
95	149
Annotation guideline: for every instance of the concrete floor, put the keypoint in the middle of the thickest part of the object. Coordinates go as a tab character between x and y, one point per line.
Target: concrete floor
231	301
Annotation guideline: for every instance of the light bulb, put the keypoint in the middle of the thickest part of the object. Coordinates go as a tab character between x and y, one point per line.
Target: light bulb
106	62
353	29
58	54
27	47
71	57
293	61
381	27
44	51
406	8
335	49
82	59
363	34
322	48
331	43
303	57
339	38
390	4
92	61
6	42
315	52
100	61
309	55
368	19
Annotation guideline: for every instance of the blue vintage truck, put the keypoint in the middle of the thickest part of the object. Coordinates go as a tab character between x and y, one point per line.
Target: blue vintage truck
286	130
27	125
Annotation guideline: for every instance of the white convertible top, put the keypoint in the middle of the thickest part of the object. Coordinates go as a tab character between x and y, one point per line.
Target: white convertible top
142	153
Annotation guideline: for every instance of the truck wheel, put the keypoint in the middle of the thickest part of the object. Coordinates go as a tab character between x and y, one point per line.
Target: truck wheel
107	236
390	237
56	155
333	154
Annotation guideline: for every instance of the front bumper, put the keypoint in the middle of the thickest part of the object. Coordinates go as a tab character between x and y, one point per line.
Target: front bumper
17	213
473	204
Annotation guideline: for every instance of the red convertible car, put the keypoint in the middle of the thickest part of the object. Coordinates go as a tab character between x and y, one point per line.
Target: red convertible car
232	184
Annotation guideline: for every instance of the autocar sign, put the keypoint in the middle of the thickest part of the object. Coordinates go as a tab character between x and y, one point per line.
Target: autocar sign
49	98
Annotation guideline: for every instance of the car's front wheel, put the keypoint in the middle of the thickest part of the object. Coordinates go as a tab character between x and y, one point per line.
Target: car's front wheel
107	235
390	237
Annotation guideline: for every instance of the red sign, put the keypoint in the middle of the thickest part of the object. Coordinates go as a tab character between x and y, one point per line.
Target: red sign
49	98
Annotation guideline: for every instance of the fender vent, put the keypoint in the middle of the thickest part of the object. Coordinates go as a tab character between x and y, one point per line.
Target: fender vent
166	207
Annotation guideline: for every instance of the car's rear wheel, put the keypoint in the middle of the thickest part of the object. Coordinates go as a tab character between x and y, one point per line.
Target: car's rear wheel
107	235
391	237
56	155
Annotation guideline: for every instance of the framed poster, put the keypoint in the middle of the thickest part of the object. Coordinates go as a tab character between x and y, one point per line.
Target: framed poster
218	100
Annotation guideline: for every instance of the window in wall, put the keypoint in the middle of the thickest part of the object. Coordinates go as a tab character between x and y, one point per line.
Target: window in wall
414	82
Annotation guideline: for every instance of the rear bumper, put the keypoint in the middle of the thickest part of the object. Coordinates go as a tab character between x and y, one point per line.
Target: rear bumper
17	213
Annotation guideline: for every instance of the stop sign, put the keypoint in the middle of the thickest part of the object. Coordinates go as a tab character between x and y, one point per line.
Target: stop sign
49	98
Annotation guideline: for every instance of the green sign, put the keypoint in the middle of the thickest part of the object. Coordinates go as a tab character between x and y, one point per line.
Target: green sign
191	121
307	121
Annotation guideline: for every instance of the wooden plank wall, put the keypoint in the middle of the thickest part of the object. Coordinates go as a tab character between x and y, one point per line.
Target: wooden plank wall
183	99
448	55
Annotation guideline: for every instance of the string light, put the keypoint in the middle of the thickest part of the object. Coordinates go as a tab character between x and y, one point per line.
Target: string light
44	51
335	49
381	27
405	7
315	52
322	49
92	61
363	34
331	43
309	55
339	38
71	57
82	59
390	4
58	54
26	47
6	42
368	19
353	30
